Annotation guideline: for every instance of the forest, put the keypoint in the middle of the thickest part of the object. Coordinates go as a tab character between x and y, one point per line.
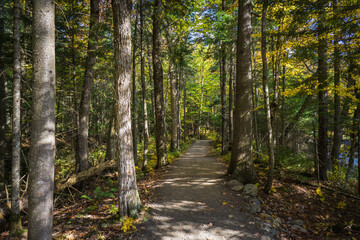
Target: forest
102	101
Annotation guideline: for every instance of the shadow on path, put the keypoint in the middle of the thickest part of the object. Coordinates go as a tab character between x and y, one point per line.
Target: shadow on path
193	203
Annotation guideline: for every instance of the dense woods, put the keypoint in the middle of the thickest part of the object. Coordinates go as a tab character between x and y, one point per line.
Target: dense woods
122	87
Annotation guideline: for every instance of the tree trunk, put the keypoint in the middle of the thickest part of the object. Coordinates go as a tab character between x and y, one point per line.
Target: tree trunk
224	119
231	96
42	145
241	163
324	163
2	101
15	225
335	152
160	130
133	110
110	148
129	201
143	87
174	130
265	82
184	100
83	147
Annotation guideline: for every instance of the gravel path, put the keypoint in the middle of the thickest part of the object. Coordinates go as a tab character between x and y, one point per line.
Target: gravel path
193	203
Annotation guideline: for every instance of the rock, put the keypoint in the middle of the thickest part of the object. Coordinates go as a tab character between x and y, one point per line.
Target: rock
298	228
269	229
255	205
298	223
233	183
266	217
277	222
238	188
250	189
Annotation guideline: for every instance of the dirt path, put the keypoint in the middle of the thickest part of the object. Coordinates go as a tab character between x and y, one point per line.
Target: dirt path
193	203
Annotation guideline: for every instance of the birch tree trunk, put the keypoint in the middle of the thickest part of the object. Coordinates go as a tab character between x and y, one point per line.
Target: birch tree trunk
133	110
42	145
129	201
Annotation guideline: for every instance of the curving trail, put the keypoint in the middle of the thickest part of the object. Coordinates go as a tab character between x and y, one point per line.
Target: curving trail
193	203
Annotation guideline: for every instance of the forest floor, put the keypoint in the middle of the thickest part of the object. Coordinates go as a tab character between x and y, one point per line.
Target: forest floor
188	200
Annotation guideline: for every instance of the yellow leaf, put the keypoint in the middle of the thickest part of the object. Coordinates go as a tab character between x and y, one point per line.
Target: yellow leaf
224	203
319	192
341	205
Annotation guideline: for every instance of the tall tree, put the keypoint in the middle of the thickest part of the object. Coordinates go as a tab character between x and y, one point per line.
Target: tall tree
324	163
15	227
143	87
160	131
2	96
241	164
133	110
42	145
129	201
265	82
335	152
224	119
174	104
83	134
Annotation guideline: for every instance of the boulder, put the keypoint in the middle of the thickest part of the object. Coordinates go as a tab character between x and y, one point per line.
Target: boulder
238	188
255	205
298	223
250	189
233	183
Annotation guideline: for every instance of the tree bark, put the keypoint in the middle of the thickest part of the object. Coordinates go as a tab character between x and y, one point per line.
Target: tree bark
42	145
143	87
324	163
241	164
15	223
173	89
265	82
184	102
231	97
133	110
160	131
335	152
2	100
83	147
129	201
224	119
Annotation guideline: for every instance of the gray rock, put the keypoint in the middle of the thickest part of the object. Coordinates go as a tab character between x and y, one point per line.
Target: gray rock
250	189
255	205
269	229
297	222
233	183
238	188
266	238
277	222
298	228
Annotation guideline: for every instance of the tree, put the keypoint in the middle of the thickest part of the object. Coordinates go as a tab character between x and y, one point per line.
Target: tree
160	131
2	98
143	87
15	227
129	201
324	163
133	110
42	145
83	136
224	119
241	164
270	140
